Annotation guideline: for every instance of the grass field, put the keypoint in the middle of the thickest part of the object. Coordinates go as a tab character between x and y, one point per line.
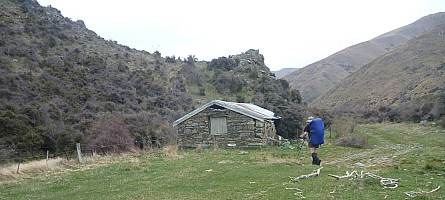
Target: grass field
411	153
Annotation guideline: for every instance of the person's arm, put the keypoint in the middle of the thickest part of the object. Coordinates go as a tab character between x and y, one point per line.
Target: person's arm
306	132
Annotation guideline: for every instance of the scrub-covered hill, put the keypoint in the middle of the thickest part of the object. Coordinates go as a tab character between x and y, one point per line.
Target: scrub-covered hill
59	80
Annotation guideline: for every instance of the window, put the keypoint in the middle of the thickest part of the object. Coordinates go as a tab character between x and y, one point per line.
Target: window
218	125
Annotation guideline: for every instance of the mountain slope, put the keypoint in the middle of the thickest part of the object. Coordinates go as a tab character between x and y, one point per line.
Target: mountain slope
283	72
411	76
58	80
317	78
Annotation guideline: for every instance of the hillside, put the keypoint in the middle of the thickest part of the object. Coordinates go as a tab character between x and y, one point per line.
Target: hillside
410	78
283	72
317	78
58	80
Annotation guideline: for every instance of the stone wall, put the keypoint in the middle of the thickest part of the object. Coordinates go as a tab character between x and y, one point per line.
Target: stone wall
242	130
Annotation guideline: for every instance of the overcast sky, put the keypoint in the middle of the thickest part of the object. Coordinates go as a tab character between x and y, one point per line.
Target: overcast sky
289	33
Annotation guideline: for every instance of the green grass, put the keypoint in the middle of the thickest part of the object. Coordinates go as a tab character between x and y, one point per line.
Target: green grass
411	153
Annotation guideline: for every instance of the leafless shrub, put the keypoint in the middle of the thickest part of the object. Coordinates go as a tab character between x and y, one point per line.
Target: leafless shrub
167	134
162	133
353	141
109	135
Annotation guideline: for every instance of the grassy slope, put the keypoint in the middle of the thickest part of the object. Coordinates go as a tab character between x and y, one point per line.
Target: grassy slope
319	77
411	73
412	153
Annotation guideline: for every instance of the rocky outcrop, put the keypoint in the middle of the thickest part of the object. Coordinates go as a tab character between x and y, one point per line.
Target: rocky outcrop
251	60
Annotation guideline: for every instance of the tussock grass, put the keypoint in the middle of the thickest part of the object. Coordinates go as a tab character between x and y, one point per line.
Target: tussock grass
199	148
171	151
26	170
15	172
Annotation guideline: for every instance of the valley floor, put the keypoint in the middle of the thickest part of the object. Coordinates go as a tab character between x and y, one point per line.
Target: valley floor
411	154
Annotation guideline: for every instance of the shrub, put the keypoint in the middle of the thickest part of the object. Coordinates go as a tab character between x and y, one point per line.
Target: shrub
353	141
171	59
202	91
191	59
223	63
225	84
162	133
289	126
240	99
441	122
67	139
16	136
109	135
7	151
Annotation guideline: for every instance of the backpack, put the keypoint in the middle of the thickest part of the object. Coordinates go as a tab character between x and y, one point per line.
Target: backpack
317	131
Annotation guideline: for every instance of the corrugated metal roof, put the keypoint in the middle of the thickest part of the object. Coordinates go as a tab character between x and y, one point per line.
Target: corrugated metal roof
247	109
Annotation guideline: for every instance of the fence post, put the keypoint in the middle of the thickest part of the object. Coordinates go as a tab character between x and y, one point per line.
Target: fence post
79	153
47	154
18	167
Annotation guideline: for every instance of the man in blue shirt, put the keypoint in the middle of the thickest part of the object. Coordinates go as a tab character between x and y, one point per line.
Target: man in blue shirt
315	131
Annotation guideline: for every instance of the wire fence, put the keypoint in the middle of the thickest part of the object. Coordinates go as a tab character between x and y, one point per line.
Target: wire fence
75	154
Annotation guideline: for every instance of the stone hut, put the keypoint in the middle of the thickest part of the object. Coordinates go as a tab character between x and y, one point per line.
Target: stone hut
227	124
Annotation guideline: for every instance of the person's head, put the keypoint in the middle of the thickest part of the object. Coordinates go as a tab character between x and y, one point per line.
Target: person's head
309	119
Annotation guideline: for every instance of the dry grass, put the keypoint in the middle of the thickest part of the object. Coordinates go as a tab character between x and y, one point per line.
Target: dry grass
272	160
24	170
171	151
199	148
343	126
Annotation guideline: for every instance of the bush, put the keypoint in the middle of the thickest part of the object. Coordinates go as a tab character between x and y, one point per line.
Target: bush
162	133
353	141
225	84
441	122
171	59
109	135
289	126
191	59
223	63
202	91
17	138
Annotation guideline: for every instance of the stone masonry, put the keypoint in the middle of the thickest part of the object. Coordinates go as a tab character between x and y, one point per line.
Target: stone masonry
242	130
